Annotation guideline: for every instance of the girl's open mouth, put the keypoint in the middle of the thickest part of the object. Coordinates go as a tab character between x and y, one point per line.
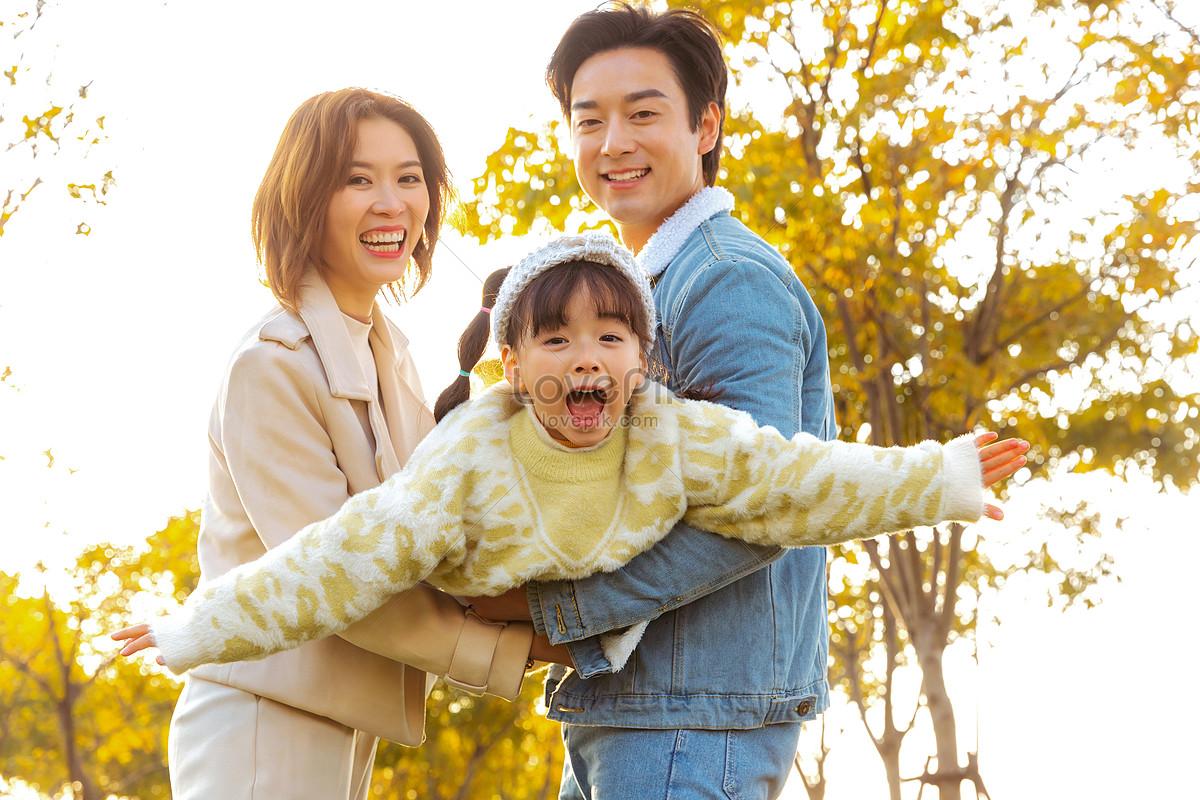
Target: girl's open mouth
586	407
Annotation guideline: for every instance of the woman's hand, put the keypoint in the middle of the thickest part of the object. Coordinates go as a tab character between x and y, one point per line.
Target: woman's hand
142	638
541	650
513	605
999	460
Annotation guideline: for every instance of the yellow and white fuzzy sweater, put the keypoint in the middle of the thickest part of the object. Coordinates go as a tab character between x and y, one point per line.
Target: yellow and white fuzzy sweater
489	501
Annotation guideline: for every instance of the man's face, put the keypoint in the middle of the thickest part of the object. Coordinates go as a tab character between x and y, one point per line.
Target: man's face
635	152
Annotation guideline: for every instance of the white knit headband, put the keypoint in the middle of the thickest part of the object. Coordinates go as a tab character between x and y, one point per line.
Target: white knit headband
595	246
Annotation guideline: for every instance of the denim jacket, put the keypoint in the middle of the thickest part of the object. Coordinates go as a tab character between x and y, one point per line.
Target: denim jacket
738	635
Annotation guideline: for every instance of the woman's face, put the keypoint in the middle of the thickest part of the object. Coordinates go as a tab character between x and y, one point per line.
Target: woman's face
374	221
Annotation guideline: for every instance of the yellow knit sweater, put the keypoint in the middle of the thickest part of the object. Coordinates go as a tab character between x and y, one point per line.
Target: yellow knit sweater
489	501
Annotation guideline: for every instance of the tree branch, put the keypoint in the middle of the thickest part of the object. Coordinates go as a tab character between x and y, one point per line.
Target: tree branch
23	666
1064	364
813	788
899	564
849	654
917	570
861	163
891	593
833	55
953	568
1169	13
1042	318
870	58
987	315
936	560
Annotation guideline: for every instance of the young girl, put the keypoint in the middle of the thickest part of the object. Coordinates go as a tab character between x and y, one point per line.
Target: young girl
574	464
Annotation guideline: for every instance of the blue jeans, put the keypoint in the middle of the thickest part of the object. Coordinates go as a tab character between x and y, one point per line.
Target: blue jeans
605	763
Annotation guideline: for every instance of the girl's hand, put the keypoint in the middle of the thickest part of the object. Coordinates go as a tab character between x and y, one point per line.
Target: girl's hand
142	638
999	460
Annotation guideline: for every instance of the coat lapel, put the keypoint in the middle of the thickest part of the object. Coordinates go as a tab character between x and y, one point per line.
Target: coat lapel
404	419
400	419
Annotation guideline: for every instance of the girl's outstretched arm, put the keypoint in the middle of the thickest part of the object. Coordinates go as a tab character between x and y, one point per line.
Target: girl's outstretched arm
324	578
753	484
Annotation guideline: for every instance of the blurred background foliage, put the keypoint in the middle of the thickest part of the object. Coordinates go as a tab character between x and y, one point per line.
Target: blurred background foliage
47	128
72	714
478	748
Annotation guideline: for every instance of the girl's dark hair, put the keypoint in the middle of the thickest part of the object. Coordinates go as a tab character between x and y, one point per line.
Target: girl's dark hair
543	305
470	348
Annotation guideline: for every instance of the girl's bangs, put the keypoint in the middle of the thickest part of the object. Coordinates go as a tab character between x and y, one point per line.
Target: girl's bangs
542	305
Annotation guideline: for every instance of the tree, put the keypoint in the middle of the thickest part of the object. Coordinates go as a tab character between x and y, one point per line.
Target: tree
56	123
475	747
951	180
74	714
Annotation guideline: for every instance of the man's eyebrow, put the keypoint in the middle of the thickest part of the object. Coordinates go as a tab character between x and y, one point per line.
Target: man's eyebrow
642	94
632	97
368	164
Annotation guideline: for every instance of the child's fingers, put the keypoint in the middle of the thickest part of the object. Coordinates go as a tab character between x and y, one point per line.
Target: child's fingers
132	632
137	645
1002	449
138	638
992	512
1003	470
1000	460
984	437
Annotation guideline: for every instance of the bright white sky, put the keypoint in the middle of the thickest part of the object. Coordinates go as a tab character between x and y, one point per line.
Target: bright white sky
117	342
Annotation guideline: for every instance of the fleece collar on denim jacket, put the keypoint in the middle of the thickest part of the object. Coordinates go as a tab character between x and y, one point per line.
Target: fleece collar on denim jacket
665	243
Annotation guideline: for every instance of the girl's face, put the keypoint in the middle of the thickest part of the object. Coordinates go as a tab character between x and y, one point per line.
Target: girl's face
374	221
579	375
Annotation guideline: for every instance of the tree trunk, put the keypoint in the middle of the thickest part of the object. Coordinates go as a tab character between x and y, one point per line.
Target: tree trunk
84	788
891	767
893	736
949	775
64	706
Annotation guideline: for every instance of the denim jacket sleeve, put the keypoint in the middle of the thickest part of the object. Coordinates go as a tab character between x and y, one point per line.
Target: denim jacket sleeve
742	327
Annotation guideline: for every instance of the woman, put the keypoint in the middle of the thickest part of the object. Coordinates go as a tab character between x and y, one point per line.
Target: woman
321	401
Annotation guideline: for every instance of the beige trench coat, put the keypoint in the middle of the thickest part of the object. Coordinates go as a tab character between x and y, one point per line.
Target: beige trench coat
287	449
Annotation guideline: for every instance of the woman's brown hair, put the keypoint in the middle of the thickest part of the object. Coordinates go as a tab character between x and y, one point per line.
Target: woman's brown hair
311	162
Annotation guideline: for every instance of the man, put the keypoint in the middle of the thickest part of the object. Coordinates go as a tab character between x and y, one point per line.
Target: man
734	655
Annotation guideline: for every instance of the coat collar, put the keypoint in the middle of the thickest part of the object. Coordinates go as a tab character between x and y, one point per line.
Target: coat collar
400	419
666	242
320	318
